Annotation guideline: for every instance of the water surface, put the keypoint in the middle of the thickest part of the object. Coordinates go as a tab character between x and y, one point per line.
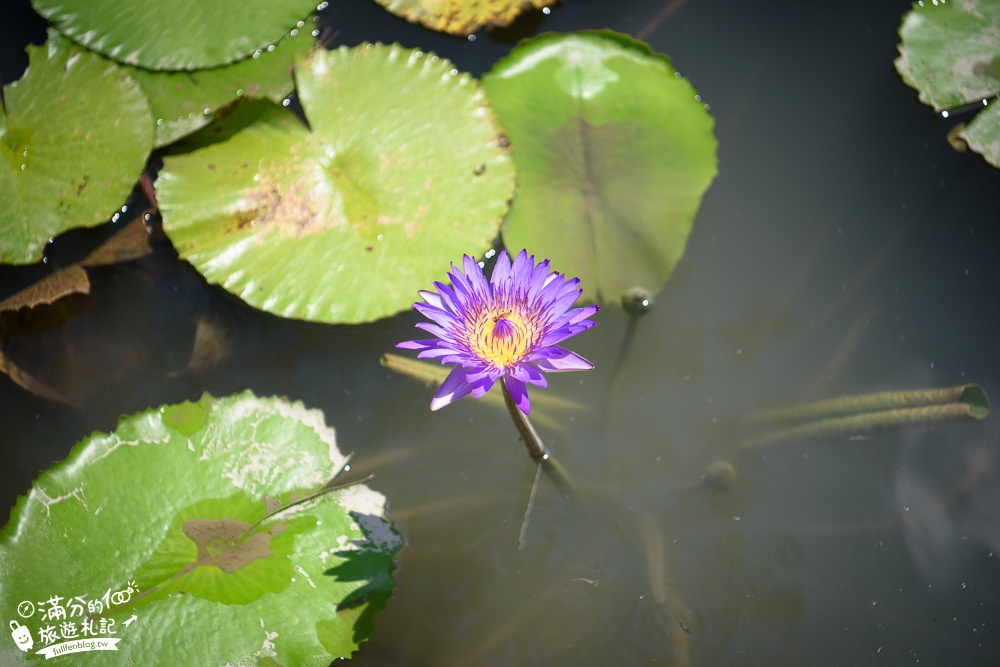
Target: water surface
843	248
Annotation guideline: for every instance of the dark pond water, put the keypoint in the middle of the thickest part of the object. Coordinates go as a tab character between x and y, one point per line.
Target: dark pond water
843	248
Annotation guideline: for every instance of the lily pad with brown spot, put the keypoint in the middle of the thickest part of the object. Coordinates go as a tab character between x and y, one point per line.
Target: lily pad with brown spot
200	522
347	221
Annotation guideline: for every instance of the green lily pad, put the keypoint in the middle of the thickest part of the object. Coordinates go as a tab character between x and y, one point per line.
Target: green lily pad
983	134
184	34
950	52
184	102
346	222
152	531
461	17
69	112
612	167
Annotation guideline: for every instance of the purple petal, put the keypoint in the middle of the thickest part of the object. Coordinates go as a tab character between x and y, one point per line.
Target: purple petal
501	270
561	302
558	287
422	344
434	330
537	284
582	313
477	280
454	387
461	358
562	333
442	317
573	318
445	354
519	392
528	373
449	299
462	289
559	359
480	371
433	298
521	270
480	388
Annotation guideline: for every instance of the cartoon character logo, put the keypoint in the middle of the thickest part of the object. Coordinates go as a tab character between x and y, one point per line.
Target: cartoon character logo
21	635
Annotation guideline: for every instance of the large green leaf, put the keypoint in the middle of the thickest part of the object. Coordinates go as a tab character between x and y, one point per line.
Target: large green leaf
346	222
153	527
74	139
951	54
182	34
611	167
461	17
183	102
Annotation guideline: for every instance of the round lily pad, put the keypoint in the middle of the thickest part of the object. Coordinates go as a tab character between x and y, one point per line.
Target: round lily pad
343	223
951	54
69	112
461	17
612	167
183	34
951	51
183	102
194	534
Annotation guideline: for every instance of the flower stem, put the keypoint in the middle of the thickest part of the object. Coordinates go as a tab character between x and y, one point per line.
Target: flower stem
529	436
536	448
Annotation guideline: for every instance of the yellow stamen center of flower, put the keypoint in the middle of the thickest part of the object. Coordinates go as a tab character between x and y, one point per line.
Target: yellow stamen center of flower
501	336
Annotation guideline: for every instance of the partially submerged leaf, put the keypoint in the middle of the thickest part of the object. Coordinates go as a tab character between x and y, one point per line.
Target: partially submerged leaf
462	17
130	242
63	282
346	222
950	52
36	351
183	34
155	523
612	167
41	346
213	342
64	117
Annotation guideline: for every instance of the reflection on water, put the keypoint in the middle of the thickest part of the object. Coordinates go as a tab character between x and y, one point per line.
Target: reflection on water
844	248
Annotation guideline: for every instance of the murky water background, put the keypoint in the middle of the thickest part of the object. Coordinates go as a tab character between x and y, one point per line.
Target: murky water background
843	248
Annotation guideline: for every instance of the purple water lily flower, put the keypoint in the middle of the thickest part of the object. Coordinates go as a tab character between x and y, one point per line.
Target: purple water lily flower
505	328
